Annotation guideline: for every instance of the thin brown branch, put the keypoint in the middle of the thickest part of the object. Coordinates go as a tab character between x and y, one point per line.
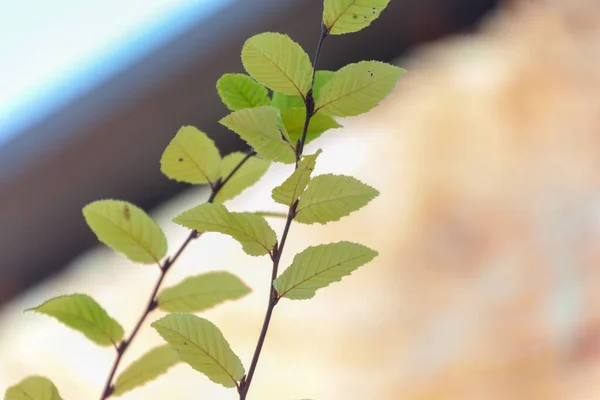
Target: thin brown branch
164	268
309	103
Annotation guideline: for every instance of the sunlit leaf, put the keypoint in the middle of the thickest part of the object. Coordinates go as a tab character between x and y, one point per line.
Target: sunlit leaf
293	119
283	101
239	91
201	292
346	16
246	176
252	231
330	197
33	388
84	314
318	266
263	129
148	367
191	157
278	62
357	88
127	229
291	189
201	344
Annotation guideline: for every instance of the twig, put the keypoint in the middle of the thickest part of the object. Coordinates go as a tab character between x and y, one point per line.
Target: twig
164	268
309	103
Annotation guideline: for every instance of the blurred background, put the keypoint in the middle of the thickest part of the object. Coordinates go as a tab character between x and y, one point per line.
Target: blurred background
486	155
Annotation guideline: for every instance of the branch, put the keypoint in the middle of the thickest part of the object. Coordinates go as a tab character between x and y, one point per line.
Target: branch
309	103
164	268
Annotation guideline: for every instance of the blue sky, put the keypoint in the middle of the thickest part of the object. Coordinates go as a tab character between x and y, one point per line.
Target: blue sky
51	50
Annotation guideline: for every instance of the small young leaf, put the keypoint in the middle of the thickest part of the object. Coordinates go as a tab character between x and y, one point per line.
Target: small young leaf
84	314
33	388
239	91
126	229
347	16
201	292
270	214
278	62
357	88
293	119
252	231
291	189
330	197
246	176
318	266
283	101
191	157
148	367
263	129
202	345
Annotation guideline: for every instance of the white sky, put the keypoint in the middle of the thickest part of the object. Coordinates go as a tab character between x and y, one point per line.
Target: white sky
50	50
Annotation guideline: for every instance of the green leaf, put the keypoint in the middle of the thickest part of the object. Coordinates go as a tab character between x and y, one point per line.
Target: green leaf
293	118
278	62
263	129
84	314
238	91
201	292
191	157
252	231
357	88
347	16
127	229
33	388
148	367
318	266
283	101
252	170
291	189
202	345
330	197
270	214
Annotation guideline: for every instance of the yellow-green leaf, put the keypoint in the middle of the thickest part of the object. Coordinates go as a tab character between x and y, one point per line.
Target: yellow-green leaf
249	173
346	16
270	214
317	267
191	157
201	292
357	88
293	118
201	344
238	91
252	231
330	197
127	229
84	314
148	367
278	62
263	129
33	388
283	101
291	189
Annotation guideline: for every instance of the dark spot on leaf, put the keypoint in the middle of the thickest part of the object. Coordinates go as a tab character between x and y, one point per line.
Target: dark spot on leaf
126	212
371	73
355	16
374	10
180	160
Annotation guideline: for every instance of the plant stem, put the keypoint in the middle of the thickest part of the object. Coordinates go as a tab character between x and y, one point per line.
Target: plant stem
309	103
164	268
